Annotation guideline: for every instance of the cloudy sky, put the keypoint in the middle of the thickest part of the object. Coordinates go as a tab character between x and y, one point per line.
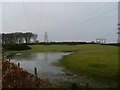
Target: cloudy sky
63	21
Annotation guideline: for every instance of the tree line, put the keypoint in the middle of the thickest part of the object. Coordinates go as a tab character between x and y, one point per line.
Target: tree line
18	38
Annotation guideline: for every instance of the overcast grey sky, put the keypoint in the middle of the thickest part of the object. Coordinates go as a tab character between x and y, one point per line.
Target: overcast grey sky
63	21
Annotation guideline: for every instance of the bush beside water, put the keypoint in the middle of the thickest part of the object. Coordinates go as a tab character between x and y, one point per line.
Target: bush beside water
16	47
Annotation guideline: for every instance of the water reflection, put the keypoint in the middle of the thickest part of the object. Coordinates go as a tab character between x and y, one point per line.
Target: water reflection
43	61
46	56
23	56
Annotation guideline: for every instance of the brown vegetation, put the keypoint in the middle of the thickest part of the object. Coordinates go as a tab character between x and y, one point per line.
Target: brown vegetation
15	77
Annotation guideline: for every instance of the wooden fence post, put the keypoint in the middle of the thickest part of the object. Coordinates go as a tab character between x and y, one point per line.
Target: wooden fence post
18	64
35	69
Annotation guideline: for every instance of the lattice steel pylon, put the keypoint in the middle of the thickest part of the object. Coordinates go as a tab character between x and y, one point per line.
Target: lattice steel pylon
46	38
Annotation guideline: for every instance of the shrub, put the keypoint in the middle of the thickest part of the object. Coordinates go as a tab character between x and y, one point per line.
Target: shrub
16	47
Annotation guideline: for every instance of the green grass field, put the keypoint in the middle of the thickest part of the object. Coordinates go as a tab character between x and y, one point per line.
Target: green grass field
90	59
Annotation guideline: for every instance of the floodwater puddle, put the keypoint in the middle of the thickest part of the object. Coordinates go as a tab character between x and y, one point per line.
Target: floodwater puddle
43	61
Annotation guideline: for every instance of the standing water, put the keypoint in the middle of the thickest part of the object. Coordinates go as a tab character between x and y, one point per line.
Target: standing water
44	62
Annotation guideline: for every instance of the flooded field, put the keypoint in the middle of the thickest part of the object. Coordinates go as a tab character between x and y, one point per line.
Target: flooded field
46	69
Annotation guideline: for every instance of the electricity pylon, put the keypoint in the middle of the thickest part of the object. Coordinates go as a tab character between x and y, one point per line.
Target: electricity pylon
46	38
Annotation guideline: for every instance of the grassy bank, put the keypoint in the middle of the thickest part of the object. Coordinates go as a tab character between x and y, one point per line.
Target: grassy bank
94	60
97	61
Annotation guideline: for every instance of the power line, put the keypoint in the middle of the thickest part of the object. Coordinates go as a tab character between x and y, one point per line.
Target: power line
86	15
94	18
90	19
26	16
40	18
